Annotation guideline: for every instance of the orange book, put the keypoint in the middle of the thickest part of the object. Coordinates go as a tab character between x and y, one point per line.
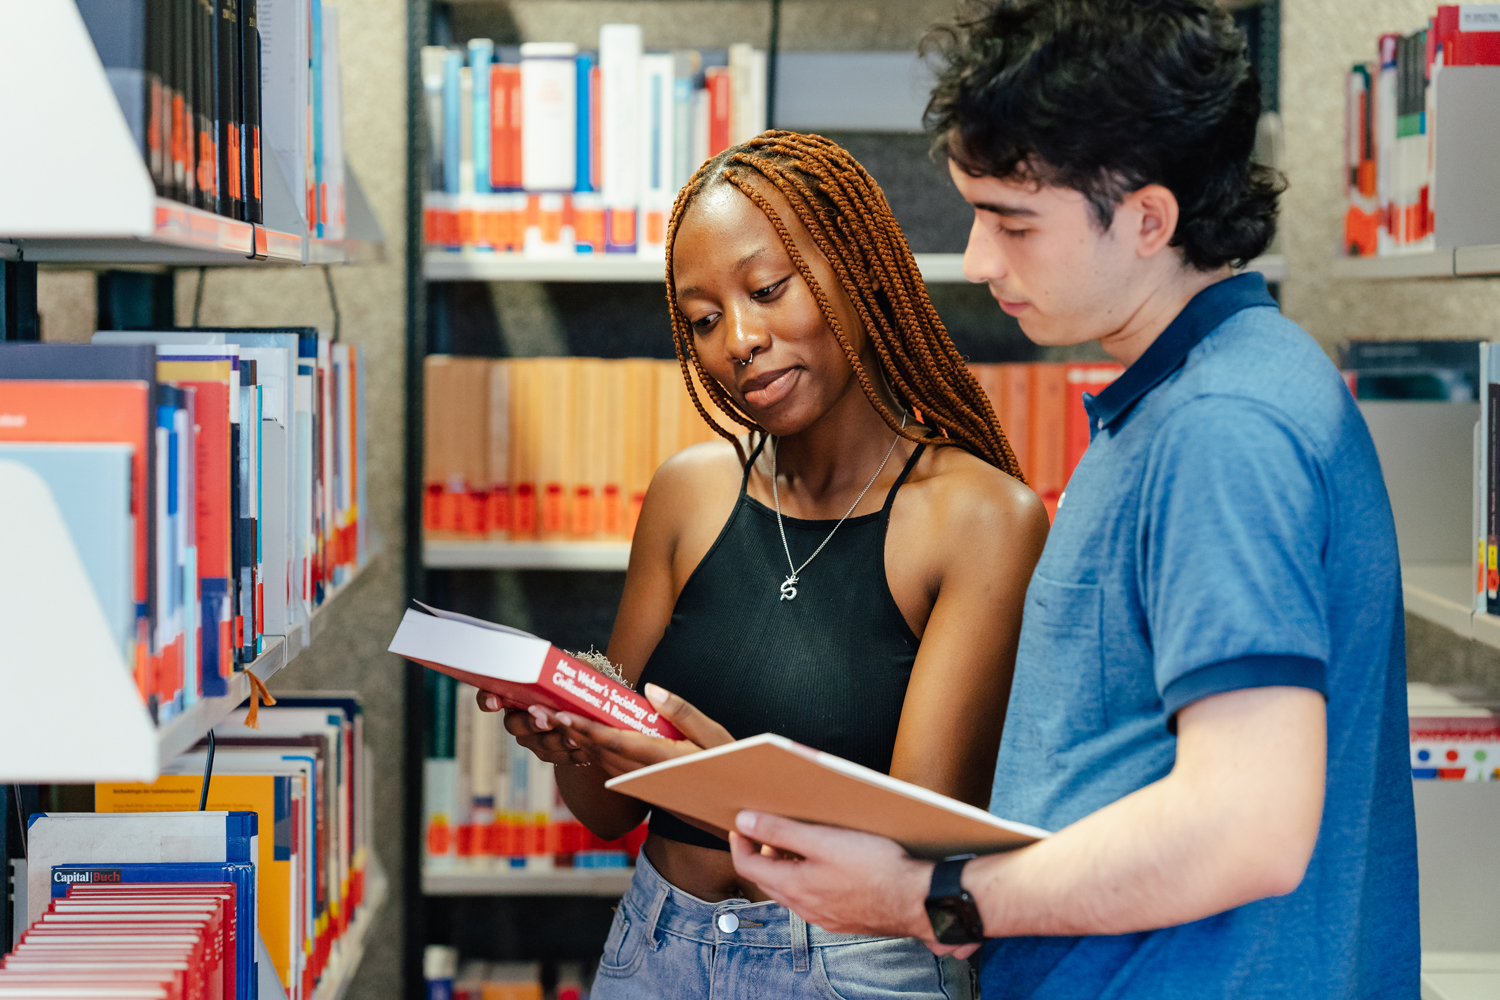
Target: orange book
470	433
640	435
669	393
593	406
612	450
1012	384
716	79
1049	420
524	377
98	412
498	516
439	513
1083	378
554	412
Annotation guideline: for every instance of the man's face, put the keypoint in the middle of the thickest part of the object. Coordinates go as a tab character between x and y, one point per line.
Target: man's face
1040	250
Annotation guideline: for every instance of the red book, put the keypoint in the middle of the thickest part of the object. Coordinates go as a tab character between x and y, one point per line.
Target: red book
1048	426
1471	41
523	670
1083	378
716	80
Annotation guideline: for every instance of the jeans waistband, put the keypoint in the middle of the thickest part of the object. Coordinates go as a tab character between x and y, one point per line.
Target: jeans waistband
668	909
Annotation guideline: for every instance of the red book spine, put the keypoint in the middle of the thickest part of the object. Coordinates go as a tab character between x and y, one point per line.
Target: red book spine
717	81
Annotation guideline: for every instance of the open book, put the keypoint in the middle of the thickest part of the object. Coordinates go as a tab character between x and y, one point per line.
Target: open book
772	774
522	669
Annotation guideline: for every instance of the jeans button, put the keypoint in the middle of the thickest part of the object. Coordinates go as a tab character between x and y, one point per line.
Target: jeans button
728	923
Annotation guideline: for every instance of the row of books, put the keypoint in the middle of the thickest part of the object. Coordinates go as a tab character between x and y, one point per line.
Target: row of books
212	481
446	979
164	940
488	802
288	822
1391	124
564	448
209	87
549	150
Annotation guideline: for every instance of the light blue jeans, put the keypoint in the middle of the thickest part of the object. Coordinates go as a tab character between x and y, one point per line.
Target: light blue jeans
665	944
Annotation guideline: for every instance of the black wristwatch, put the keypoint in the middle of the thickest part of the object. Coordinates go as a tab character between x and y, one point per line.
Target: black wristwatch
955	919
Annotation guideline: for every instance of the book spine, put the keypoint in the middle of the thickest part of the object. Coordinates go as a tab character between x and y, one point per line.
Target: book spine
619	64
1492	500
481	55
656	150
206	101
718	83
250	61
600	698
227	109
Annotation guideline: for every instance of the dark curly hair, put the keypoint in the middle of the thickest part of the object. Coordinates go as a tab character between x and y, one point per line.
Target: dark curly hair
1105	97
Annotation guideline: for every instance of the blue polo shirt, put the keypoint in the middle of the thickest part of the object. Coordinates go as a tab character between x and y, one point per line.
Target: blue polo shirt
1228	528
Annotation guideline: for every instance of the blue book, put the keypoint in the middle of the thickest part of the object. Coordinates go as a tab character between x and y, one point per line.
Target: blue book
584	156
239	874
481	54
452	122
91	484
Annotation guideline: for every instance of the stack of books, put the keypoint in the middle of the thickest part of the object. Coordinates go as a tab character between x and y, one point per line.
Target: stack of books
1391	128
549	151
296	837
564	448
212	482
209	87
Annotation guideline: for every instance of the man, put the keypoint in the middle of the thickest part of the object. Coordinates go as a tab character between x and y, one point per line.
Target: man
1209	700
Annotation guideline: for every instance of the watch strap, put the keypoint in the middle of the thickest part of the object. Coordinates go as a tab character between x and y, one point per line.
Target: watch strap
947	877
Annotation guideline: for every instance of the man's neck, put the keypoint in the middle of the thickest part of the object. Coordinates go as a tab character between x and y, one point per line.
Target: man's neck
1172	291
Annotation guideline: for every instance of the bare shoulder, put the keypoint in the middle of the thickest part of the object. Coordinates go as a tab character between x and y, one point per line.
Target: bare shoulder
699	466
961	490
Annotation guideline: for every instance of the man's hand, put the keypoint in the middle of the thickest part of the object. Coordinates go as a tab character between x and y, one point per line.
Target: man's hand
842	881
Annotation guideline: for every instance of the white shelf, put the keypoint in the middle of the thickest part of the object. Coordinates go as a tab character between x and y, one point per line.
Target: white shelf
179	234
1446	262
1460	975
476	881
182	733
445	554
351	947
473	265
1444	595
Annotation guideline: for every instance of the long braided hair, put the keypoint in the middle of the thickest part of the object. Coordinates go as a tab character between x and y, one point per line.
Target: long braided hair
846	214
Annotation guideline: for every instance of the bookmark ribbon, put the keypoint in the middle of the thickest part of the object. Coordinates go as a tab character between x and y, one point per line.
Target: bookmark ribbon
258	693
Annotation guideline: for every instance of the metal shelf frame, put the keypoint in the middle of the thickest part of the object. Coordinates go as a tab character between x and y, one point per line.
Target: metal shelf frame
474	880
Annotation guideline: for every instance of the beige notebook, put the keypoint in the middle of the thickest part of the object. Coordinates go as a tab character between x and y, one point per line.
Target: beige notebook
772	774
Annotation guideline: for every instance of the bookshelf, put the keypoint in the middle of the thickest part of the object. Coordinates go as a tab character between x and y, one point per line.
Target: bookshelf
1445	262
445	554
90	199
1443	595
444	265
351	947
474	880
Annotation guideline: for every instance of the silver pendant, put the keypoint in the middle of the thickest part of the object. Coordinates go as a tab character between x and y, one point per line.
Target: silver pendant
788	591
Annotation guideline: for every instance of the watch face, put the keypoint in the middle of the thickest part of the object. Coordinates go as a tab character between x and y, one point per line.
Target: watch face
954	920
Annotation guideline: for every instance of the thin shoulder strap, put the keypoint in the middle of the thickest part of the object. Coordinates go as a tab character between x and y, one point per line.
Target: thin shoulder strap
750	464
911	463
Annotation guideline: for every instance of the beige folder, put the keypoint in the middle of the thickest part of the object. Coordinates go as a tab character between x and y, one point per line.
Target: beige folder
772	774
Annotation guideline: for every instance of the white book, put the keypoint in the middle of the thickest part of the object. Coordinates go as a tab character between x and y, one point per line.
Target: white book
772	774
283	27
757	95
741	83
655	149
466	132
333	128
685	65
130	838
701	116
549	116
619	76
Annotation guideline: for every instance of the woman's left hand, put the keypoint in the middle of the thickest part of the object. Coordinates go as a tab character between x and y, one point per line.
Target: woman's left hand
619	751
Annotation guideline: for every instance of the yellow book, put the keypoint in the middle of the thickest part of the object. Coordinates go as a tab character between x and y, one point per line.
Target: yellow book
589	473
257	793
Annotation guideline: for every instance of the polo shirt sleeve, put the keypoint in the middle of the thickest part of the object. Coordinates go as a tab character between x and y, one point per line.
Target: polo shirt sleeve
1234	527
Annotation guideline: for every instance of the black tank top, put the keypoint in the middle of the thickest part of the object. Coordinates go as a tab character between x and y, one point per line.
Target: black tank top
828	669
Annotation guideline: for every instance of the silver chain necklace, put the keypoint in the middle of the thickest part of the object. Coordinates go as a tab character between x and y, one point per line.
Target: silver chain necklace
789	585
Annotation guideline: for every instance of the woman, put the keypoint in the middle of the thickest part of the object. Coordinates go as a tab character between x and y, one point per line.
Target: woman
849	574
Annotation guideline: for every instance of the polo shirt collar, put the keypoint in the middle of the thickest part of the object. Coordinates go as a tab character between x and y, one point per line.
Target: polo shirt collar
1203	314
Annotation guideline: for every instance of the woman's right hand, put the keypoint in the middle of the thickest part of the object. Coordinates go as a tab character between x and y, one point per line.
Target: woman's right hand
533	731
